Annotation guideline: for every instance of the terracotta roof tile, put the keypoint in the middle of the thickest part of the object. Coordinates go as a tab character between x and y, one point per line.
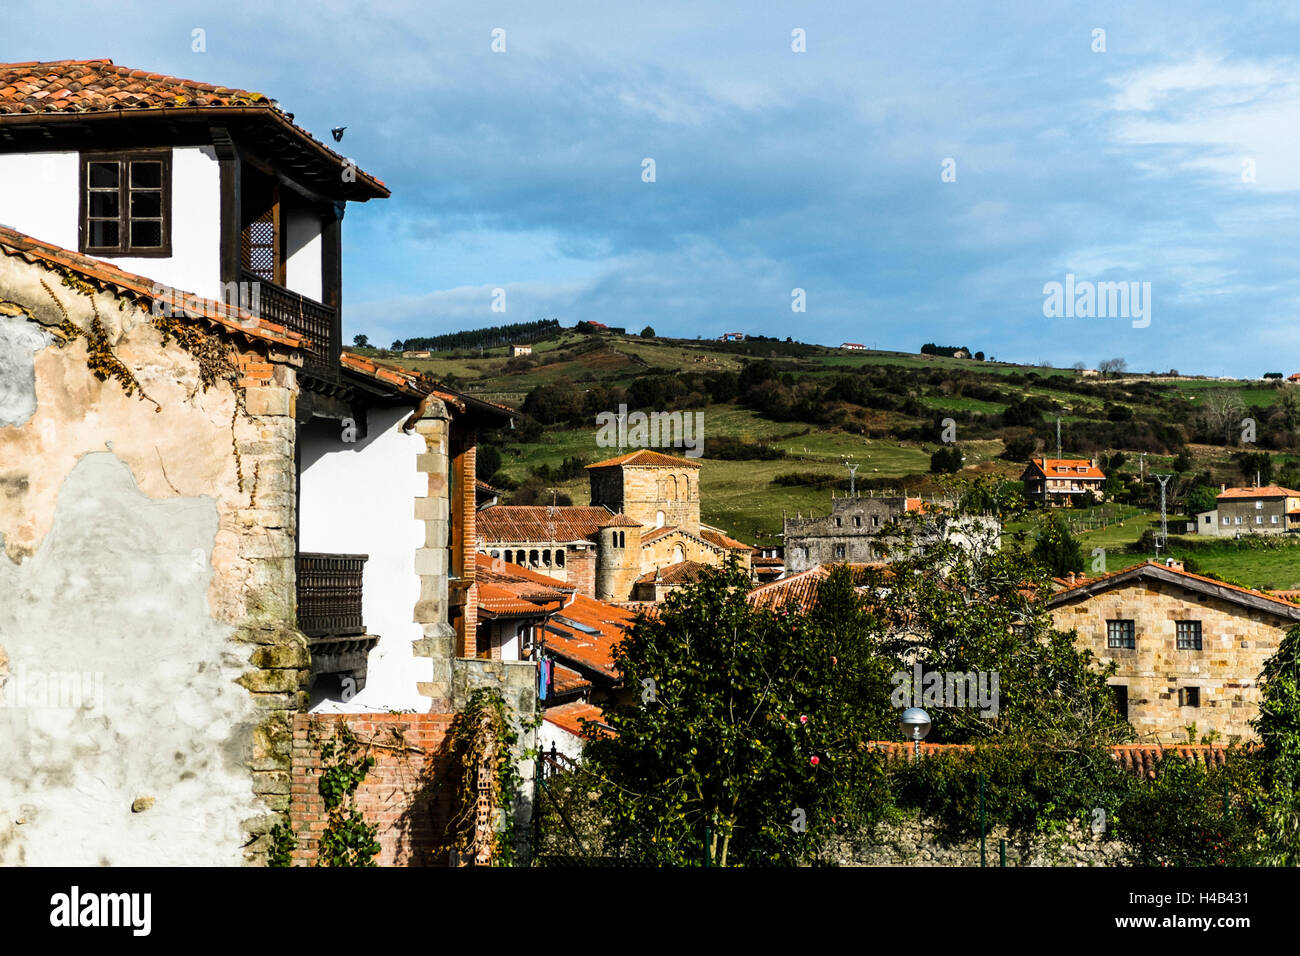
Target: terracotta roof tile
683	572
539	523
565	680
1266	491
1066	593
645	456
1137	758
571	716
723	540
1066	467
797	592
619	520
144	291
100	86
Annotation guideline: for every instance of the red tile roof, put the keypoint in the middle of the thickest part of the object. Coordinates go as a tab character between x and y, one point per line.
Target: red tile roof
723	540
1062	467
59	87
1267	491
797	592
539	523
619	520
683	572
1069	590
571	716
144	291
565	680
644	456
657	533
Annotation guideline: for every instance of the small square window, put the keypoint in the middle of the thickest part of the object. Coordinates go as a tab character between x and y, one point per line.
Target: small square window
1189	697
1121	634
126	203
1188	635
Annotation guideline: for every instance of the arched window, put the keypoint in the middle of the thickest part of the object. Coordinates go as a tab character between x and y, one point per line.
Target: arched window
546	557
659	519
672	487
559	558
519	557
532	557
857	521
679	554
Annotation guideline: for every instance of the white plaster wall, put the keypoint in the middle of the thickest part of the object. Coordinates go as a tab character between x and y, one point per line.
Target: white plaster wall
302	266
39	195
565	742
358	498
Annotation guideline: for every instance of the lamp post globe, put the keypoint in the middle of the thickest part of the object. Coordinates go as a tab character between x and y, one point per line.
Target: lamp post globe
916	724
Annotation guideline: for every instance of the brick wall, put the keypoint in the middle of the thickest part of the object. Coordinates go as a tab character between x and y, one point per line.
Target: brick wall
398	793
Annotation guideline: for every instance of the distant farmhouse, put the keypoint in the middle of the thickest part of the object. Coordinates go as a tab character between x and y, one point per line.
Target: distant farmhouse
1267	510
854	346
731	337
1060	480
420	354
518	350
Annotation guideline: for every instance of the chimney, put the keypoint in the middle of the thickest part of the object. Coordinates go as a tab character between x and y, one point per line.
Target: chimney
1223	487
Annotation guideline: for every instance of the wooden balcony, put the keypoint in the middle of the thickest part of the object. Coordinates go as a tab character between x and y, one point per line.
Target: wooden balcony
308	318
329	595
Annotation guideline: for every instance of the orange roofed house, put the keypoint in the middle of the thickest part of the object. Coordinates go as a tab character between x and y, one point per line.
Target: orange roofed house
1259	510
1058	480
212	516
1189	648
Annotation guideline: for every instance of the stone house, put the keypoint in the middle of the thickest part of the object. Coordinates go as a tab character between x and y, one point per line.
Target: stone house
518	350
1258	510
1189	648
644	517
213	516
867	529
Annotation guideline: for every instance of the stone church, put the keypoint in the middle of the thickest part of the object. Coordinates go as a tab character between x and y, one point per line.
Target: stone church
640	534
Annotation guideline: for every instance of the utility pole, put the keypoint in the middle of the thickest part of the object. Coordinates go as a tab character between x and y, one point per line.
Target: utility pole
1163	540
1058	437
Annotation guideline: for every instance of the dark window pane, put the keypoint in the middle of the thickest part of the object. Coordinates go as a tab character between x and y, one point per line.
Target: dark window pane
147	205
103	205
103	234
146	175
146	233
102	175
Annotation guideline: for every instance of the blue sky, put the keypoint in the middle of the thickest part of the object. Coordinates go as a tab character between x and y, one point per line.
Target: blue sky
777	170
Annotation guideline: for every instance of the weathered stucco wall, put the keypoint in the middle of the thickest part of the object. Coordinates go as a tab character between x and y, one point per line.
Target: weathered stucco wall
149	544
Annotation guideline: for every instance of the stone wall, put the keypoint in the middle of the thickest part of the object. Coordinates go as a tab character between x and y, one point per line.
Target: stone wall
914	841
148	530
400	793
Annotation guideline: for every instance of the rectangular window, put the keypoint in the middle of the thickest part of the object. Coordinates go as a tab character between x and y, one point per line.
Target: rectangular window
1121	634
1189	635
126	203
1259	519
839	551
1237	519
1225	519
1189	697
1273	518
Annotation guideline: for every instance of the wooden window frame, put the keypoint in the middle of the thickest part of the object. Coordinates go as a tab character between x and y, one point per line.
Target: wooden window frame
124	249
1188	637
1127	633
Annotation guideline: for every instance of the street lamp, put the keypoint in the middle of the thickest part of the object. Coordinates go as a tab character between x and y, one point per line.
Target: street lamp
916	724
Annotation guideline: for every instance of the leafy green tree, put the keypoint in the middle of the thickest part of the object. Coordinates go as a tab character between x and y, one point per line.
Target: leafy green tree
361	341
749	723
947	460
648	332
1278	726
1201	498
1056	549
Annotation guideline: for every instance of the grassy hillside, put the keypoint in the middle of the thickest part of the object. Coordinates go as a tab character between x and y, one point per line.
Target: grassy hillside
781	419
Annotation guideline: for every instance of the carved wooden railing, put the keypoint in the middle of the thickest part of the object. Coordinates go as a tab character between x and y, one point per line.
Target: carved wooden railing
329	594
299	314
